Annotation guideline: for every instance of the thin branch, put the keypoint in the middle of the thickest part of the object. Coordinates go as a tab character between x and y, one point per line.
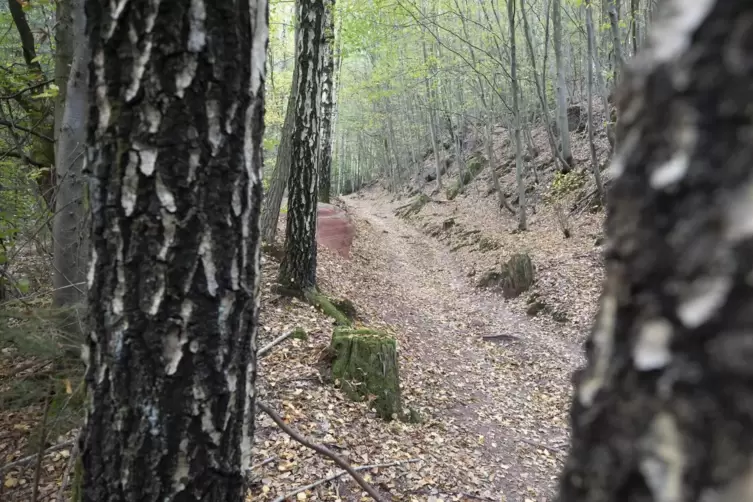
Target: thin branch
27	89
338	474
267	348
10	124
321	450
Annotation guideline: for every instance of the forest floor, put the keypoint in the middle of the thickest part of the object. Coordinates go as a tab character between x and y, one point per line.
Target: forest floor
492	385
493	410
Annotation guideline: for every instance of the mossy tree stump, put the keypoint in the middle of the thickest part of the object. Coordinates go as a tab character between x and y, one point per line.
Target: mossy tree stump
365	362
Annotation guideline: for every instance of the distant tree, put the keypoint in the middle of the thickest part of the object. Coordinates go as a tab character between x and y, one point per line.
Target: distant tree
279	181
298	267
327	91
664	408
175	127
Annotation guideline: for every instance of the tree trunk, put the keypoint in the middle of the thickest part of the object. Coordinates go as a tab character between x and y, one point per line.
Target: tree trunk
432	122
591	144
663	409
325	138
270	213
614	24
70	221
634	9
174	137
522	223
562	124
298	267
540	83
503	202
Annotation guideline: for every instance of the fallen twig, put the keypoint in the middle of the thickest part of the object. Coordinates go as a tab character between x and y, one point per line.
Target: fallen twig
267	348
263	462
338	474
26	460
321	450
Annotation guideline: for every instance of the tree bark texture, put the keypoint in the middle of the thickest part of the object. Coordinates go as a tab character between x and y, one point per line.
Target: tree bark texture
663	410
328	104
174	133
298	267
70	221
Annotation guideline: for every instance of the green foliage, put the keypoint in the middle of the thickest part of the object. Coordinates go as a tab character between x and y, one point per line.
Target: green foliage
565	184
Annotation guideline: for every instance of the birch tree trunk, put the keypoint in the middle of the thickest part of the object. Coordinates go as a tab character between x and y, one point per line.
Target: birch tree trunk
663	409
174	136
328	66
562	123
69	226
519	167
298	266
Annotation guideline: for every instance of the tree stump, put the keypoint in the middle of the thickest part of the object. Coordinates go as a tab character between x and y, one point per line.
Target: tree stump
365	362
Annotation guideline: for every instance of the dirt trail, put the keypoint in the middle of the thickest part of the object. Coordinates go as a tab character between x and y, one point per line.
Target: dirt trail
513	391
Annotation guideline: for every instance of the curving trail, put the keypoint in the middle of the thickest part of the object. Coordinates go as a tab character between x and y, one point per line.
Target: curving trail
505	402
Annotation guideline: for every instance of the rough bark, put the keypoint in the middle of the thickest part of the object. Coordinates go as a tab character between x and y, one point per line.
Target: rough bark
327	90
69	225
663	409
562	126
174	136
522	223
298	267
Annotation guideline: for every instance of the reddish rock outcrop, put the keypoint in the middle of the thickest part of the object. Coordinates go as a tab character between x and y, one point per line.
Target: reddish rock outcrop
335	230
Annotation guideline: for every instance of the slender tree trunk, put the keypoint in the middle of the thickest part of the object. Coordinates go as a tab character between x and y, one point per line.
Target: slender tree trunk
614	24
519	167
591	144
562	123
663	409
634	9
503	202
432	118
176	192
540	83
270	213
298	267
325	137
70	221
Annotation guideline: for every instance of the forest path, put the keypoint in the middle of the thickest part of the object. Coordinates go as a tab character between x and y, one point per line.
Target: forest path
515	392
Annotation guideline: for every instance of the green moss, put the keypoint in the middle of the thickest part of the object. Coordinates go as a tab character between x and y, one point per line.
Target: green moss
365	362
346	307
320	301
299	334
414	207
